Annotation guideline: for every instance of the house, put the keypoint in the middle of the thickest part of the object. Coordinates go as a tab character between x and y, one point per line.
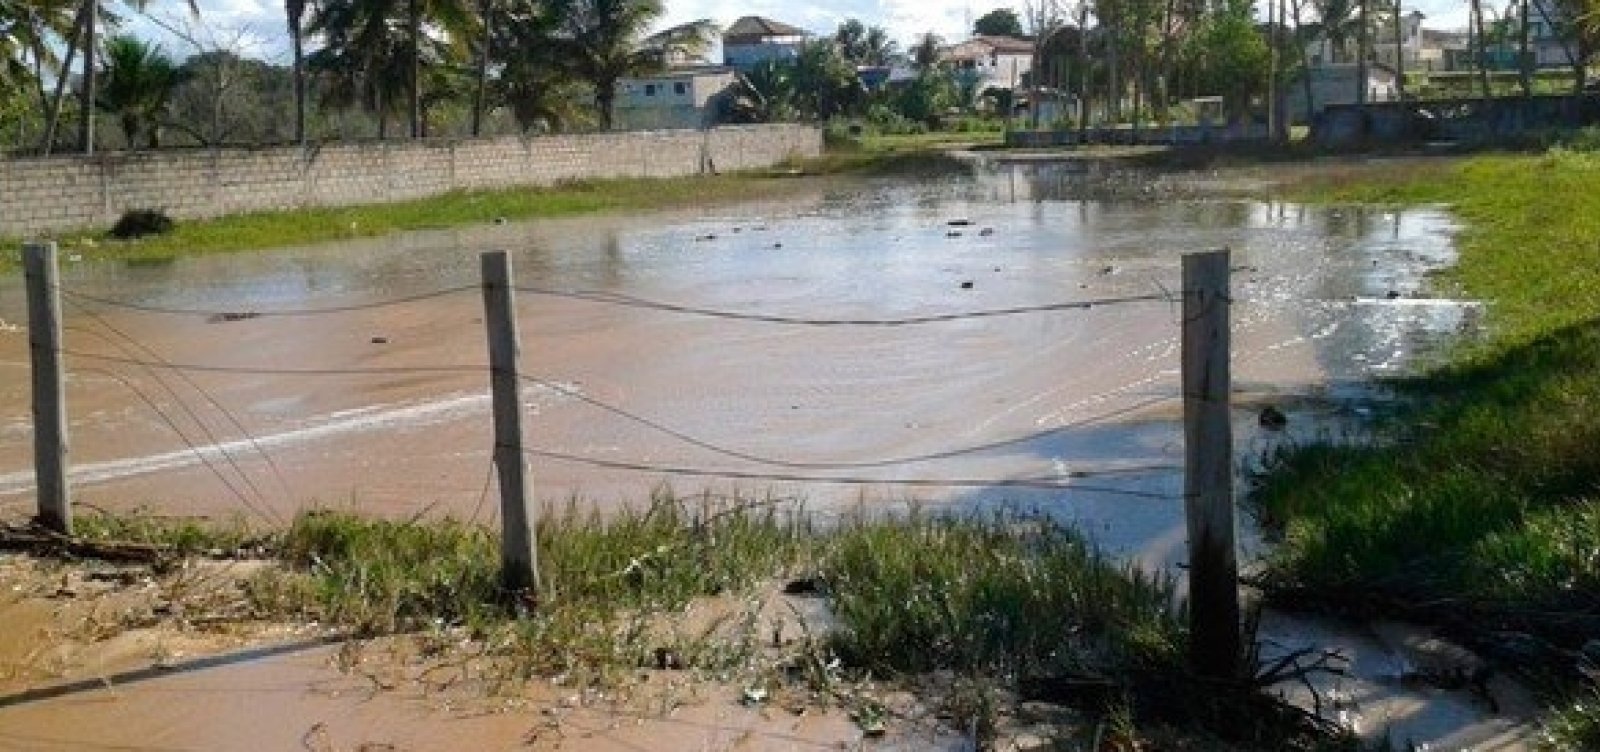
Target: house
1335	83
1418	48
689	97
1548	36
753	40
676	54
986	62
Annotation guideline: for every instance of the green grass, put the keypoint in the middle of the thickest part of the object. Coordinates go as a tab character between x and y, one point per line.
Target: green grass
986	604
1477	504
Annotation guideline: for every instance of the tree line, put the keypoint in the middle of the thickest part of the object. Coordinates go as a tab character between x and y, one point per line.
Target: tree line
416	68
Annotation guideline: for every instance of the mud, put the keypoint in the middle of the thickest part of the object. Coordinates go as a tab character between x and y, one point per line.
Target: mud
1326	298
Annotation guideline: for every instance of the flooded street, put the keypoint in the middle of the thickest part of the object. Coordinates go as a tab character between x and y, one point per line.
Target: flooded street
352	375
1083	397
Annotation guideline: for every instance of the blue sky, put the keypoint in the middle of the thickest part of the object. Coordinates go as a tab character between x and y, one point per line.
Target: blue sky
261	21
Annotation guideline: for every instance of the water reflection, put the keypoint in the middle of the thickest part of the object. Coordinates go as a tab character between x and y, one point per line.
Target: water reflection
1324	295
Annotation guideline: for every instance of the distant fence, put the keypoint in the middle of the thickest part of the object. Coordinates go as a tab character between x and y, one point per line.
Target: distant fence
72	192
1206	302
1468	120
1151	135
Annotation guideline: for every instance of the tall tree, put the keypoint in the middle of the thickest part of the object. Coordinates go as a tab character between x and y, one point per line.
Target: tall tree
824	83
1000	22
1480	56
532	82
1339	20
294	16
1230	57
1524	55
30	30
863	45
600	41
925	53
375	51
93	15
480	92
139	79
363	57
1577	25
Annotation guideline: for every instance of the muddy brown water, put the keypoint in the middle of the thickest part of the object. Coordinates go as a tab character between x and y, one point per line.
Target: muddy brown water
1326	299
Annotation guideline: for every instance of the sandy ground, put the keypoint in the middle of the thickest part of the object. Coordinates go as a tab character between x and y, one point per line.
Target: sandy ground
128	658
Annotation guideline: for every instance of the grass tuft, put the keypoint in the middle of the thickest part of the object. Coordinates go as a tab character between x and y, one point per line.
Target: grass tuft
1478	508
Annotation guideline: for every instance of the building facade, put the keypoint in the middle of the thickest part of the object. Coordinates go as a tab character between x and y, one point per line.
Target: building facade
680	98
753	40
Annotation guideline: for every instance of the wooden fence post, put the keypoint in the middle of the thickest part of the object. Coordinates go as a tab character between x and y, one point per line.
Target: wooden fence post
49	393
519	561
1214	633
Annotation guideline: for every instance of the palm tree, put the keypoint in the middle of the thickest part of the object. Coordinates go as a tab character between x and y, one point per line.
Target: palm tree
599	40
139	79
925	53
862	45
92	13
29	31
295	11
765	93
366	40
823	83
375	50
362	57
1340	22
532	81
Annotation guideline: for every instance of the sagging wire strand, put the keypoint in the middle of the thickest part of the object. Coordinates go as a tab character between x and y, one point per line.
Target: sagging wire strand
268	312
684	436
632	301
153	369
861	464
1033	483
264	511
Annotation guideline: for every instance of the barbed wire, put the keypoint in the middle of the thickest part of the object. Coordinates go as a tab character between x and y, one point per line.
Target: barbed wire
264	371
863	464
1035	483
264	511
667	430
193	416
625	300
266	313
630	301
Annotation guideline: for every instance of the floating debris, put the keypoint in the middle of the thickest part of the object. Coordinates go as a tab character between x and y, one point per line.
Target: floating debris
1273	419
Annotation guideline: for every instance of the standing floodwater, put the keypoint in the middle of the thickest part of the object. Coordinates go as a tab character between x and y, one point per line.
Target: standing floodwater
362	406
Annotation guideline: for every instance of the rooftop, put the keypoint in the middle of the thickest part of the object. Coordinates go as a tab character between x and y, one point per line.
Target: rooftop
757	26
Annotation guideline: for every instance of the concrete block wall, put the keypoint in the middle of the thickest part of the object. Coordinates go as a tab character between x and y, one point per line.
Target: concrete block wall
40	196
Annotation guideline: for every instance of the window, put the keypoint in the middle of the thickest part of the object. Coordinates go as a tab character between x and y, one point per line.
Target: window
649	90
680	88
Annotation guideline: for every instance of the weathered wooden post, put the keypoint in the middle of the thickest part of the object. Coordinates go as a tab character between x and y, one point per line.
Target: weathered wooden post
1214	638
49	382
519	562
